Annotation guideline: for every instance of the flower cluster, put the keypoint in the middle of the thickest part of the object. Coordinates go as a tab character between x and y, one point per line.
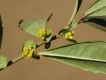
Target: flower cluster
43	34
69	35
27	52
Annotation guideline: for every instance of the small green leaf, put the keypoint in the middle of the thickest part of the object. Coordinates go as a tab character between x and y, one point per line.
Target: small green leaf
98	22
76	8
89	56
97	9
74	24
32	26
3	62
30	43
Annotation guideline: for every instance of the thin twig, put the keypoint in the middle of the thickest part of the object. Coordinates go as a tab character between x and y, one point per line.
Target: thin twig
20	57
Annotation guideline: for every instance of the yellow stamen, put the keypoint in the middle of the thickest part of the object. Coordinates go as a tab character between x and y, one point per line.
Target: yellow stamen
69	35
27	52
42	33
30	54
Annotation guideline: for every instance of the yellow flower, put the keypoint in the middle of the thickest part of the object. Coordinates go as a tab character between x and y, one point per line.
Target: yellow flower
43	34
69	35
27	52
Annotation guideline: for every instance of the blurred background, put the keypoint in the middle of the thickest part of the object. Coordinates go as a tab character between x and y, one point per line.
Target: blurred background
12	11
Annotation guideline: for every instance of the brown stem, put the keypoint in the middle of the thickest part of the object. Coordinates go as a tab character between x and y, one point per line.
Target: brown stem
20	56
15	60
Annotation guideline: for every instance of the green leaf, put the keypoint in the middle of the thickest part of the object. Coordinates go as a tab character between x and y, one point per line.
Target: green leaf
96	15
89	56
76	8
3	62
32	26
30	43
97	9
98	22
101	12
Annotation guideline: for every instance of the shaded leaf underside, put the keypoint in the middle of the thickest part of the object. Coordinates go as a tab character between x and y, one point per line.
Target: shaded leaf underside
98	22
96	15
